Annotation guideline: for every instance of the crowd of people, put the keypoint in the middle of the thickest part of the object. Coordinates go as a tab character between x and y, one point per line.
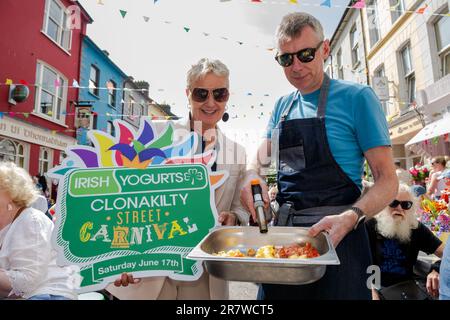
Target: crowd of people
323	134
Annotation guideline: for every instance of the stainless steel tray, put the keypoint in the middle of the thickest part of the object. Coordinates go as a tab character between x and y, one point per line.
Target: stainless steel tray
261	270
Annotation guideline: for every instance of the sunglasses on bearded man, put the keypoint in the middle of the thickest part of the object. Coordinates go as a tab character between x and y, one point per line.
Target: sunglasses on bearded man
305	56
201	95
406	205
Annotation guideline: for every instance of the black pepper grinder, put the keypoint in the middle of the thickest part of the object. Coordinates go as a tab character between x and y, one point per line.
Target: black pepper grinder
258	204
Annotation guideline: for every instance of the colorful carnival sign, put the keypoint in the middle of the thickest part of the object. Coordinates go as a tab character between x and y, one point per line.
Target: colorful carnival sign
135	203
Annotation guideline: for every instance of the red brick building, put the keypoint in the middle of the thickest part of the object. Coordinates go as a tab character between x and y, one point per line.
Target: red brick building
40	46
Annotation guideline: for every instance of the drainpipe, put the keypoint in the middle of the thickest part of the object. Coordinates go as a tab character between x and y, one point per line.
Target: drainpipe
365	47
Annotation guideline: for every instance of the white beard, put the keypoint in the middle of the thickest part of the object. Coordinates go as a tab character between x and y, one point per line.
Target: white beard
390	227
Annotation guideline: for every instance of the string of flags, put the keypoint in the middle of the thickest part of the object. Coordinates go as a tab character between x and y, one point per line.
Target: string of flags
357	4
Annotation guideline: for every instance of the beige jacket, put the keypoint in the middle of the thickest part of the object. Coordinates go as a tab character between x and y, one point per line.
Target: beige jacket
232	158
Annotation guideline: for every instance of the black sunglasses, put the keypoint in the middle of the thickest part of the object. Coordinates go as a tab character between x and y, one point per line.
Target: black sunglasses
305	56
406	205
201	95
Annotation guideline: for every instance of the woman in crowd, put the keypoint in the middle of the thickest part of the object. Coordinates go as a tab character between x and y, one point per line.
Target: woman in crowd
208	92
28	267
436	185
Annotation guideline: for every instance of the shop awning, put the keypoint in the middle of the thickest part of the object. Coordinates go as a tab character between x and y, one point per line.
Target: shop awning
433	139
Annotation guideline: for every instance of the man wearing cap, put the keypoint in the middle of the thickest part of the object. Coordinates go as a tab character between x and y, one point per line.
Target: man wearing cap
319	136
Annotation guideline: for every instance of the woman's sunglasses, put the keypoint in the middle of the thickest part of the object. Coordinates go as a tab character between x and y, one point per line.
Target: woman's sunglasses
305	56
406	205
201	95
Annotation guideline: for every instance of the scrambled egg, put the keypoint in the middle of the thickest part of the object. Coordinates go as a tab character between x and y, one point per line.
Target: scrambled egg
266	252
230	253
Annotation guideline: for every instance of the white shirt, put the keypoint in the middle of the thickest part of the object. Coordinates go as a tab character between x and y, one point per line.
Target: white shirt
40	204
29	260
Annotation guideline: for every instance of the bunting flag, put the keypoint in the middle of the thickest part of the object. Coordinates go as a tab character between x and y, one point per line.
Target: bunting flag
359	4
326	3
123	13
422	10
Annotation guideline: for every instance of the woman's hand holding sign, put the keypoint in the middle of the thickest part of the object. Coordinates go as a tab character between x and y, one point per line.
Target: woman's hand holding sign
126	279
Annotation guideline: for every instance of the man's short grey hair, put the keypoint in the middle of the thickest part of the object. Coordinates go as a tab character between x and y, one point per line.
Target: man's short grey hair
205	66
292	24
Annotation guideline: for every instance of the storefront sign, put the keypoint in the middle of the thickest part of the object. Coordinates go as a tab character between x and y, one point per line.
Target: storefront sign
20	130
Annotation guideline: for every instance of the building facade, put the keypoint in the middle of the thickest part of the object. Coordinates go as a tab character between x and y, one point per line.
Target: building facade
406	45
100	96
40	48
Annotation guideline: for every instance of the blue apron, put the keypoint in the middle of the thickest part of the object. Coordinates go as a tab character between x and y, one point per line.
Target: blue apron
311	182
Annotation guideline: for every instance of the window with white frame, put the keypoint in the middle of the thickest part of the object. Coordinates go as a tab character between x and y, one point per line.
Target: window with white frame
441	28
397	8
408	73
112	94
44	160
340	66
94	80
62	156
354	46
11	150
379	72
51	92
131	107
373	22
55	23
142	109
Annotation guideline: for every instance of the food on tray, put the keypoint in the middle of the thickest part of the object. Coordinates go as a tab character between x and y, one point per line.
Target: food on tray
293	251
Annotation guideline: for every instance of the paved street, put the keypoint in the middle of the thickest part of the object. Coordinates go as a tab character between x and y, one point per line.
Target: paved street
243	291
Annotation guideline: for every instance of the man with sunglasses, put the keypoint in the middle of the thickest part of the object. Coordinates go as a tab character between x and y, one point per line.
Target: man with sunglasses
319	136
396	237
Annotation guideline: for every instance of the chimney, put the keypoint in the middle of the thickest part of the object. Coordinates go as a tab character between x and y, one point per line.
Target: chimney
144	86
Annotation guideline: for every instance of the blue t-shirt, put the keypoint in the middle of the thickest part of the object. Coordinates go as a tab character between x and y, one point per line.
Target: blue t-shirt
354	122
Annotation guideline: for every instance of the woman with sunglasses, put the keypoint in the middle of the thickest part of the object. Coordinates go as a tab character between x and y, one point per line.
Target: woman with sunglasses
436	185
396	237
207	92
322	132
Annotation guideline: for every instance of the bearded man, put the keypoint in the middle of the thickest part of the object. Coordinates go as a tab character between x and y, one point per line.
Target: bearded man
396	237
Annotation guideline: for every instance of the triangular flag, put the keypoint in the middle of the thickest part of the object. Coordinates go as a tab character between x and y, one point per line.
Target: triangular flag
326	3
186	29
360	4
1	115
240	42
422	10
146	19
100	2
26	115
23	82
109	85
57	83
8	82
75	84
293	1
123	13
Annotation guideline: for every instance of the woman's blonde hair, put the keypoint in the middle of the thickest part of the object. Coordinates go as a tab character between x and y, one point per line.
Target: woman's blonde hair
18	184
205	66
